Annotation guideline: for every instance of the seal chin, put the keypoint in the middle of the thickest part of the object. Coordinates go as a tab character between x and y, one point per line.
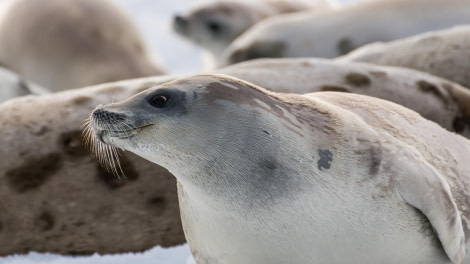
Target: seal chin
99	135
106	136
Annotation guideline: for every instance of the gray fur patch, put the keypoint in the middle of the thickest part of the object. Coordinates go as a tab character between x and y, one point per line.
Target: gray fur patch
344	45
326	157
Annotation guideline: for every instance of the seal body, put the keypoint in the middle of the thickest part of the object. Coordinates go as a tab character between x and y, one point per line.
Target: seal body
215	24
444	53
53	189
71	43
336	32
436	99
284	178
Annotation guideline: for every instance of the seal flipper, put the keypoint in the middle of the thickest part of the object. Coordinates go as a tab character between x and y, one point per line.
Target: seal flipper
423	187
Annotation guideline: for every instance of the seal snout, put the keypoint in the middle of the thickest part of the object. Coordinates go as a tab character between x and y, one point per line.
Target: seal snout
104	121
180	23
103	115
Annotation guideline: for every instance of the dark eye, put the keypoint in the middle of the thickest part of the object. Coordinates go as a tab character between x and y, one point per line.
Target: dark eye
159	100
213	26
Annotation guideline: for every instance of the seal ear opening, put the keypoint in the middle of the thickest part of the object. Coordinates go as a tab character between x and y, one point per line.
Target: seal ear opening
424	188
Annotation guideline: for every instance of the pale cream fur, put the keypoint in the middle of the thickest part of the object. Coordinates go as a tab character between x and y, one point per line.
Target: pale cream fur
232	18
444	53
71	43
335	32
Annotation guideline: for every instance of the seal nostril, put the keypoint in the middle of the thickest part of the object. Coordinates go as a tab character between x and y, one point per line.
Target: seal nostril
107	116
179	20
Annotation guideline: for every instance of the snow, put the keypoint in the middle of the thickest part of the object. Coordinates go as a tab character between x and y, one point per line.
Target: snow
153	17
156	255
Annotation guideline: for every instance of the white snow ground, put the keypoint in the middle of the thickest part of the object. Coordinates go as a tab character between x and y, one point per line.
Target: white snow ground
153	17
156	255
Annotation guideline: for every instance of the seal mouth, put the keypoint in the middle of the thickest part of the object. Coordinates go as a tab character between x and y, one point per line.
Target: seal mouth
119	133
107	153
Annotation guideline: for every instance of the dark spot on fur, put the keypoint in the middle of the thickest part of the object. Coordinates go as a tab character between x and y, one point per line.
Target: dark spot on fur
81	100
376	160
357	79
39	131
459	124
427	87
112	181
1	226
158	204
333	88
344	46
269	165
431	88
34	172
460	97
266	132
71	143
326	157
45	221
258	50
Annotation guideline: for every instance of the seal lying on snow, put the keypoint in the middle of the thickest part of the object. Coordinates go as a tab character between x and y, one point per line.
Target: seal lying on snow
444	53
283	178
71	43
54	191
336	32
215	24
436	99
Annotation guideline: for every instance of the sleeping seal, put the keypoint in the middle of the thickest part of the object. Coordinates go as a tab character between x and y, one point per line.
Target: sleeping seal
215	24
71	43
335	32
444	53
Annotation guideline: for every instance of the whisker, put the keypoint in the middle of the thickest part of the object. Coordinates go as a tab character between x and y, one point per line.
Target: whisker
106	155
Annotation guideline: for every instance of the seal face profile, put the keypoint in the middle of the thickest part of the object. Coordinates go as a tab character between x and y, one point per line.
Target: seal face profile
328	177
214	25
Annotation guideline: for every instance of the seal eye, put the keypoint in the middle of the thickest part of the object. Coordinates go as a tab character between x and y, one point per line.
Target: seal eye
213	26
159	100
